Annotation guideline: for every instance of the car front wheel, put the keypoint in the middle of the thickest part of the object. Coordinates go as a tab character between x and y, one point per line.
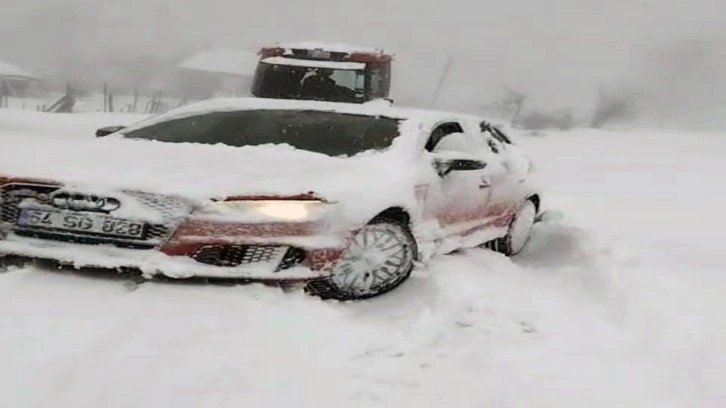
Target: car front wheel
380	257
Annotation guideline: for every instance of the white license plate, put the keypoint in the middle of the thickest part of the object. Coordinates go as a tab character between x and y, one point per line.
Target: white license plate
71	221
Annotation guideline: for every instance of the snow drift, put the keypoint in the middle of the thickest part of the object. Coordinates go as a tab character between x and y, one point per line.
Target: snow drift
619	303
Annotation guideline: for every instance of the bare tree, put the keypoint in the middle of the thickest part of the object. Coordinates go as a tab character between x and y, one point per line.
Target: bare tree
613	106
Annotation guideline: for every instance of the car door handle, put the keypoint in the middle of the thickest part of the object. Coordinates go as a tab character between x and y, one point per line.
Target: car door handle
484	184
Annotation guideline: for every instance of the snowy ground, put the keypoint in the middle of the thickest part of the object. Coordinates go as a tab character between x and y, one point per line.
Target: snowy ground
618	304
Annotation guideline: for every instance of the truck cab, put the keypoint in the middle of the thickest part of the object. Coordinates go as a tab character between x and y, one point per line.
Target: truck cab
321	72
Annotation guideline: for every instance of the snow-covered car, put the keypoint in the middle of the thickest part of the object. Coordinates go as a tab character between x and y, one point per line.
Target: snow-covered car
344	198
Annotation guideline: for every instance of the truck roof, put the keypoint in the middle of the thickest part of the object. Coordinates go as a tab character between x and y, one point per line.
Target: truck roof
326	52
342	65
338	47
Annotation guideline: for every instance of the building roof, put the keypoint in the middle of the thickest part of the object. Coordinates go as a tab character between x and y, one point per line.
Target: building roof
223	61
11	71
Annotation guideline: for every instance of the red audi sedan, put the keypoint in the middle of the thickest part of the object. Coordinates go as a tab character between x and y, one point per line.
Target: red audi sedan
346	198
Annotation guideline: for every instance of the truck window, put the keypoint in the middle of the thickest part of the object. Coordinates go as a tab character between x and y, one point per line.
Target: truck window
380	80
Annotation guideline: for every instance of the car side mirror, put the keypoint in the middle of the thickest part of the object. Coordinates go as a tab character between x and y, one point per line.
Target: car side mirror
105	131
445	166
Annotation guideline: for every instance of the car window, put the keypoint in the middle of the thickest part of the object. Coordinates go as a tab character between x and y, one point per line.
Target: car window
495	132
330	133
492	138
440	132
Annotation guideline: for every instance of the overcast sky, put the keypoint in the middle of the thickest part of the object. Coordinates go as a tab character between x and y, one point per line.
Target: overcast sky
561	50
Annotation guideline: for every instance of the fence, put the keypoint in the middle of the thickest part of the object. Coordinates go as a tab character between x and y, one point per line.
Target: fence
105	99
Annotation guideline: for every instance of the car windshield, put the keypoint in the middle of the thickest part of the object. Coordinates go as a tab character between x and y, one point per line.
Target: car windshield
309	83
330	133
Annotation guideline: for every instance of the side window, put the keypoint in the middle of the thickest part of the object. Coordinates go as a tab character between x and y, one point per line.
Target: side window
440	132
380	79
495	132
494	139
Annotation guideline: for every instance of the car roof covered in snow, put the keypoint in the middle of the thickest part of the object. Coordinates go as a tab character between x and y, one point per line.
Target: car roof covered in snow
374	108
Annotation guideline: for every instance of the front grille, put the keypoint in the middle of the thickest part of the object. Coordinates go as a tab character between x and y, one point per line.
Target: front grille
292	257
236	255
169	207
157	232
169	212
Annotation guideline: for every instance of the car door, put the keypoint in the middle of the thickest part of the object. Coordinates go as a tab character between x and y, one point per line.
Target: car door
507	171
456	199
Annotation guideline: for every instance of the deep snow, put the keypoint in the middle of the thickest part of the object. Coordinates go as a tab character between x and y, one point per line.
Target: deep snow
617	304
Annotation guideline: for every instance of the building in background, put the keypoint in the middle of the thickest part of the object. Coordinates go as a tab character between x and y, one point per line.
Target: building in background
15	81
217	72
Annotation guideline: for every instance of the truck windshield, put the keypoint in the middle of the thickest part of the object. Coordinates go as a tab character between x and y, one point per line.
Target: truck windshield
280	81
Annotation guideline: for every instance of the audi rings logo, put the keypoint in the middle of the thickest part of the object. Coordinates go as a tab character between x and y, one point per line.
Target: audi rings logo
81	202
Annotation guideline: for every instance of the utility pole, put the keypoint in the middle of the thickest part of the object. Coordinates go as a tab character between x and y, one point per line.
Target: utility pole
442	79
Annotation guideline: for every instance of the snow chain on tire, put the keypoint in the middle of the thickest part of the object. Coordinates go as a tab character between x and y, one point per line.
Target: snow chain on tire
325	288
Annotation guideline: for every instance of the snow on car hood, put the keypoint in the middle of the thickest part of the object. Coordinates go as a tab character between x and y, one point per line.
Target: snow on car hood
203	172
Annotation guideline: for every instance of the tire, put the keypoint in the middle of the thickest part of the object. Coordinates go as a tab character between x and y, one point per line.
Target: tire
519	232
353	277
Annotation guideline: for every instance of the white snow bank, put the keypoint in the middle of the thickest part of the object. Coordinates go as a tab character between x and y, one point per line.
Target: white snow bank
473	329
620	304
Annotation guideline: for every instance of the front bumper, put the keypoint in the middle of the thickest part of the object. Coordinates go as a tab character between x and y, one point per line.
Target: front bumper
318	262
176	243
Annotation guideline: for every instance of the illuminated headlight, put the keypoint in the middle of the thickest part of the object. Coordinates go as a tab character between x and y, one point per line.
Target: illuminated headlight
291	210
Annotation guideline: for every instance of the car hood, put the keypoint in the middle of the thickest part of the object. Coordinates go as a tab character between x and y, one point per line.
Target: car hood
201	171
